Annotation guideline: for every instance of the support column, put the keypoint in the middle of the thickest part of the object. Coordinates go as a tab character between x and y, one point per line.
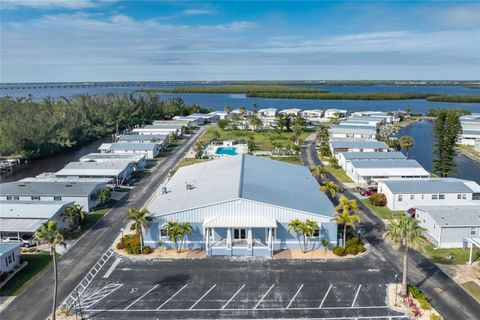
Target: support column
270	238
470	256
229	241
249	240
207	241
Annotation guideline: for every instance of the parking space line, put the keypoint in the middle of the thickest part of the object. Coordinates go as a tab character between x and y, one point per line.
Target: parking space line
356	295
296	294
325	297
233	297
141	297
112	267
273	285
208	291
173	296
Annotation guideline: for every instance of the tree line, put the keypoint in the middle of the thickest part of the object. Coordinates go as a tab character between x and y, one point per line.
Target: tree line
30	129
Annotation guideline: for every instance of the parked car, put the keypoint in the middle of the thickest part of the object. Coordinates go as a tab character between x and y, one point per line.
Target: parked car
368	192
25	242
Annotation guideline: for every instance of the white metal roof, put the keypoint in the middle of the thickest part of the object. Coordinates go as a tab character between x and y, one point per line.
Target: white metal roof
467	214
102	169
243	221
244	176
8	247
48	188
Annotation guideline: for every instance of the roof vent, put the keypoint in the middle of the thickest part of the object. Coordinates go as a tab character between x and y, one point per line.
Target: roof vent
164	190
68	185
189	186
22	185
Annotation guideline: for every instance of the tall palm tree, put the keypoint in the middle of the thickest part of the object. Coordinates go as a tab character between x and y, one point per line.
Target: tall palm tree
344	216
329	187
49	234
296	226
308	230
255	122
227	109
174	232
405	233
74	214
104	195
333	162
406	142
185	229
319	172
141	218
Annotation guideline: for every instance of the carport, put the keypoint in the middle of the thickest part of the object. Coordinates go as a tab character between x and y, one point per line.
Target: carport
474	242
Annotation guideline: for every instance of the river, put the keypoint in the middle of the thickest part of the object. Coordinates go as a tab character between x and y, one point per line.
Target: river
422	151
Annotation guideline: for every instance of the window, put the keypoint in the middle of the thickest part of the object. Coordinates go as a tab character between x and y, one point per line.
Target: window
418	215
400	197
473	231
316	233
9	198
239	234
412	197
441	196
423	196
35	198
163	232
464	196
434	196
459	196
57	198
6	262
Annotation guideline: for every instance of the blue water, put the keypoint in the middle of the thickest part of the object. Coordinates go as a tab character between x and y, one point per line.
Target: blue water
422	151
231	151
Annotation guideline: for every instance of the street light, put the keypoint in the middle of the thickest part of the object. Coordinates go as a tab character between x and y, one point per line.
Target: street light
121	230
396	283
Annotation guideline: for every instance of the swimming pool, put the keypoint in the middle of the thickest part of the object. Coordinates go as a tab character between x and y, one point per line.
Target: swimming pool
231	151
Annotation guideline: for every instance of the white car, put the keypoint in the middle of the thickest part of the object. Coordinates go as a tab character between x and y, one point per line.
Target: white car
25	242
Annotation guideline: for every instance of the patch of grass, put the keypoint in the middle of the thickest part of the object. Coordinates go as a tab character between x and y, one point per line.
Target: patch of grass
90	220
37	262
449	256
290	159
121	189
139	175
473	289
264	139
187	162
382	212
340	174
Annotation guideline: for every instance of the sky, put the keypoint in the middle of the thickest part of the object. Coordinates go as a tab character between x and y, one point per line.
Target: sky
114	40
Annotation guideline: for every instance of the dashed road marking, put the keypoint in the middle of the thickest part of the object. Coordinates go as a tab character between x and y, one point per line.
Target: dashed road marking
112	267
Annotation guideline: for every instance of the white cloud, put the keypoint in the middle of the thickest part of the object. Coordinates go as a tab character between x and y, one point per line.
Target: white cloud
193	12
52	4
465	16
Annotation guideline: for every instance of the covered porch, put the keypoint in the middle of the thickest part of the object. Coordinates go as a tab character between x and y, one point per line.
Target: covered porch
239	236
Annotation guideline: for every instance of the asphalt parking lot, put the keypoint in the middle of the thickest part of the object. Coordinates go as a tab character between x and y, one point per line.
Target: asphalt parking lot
225	288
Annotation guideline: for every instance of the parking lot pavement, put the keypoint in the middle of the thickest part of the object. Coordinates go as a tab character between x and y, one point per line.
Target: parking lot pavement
238	288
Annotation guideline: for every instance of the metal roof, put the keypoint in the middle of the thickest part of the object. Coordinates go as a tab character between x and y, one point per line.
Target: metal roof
7	247
244	221
248	177
48	188
142	137
113	156
388	163
103	169
30	209
164	126
357	143
352	129
133	146
373	155
451	216
434	185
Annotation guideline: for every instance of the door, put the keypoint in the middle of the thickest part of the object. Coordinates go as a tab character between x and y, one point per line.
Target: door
239	234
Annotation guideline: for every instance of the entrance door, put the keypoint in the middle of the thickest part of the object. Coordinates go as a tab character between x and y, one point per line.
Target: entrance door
239	234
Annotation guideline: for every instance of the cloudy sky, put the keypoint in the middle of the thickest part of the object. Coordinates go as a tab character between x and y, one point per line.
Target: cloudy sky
89	40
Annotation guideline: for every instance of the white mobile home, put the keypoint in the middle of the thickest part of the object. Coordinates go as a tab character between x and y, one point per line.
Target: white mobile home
405	194
9	256
368	171
357	145
269	112
82	193
352	132
144	138
151	150
345	158
162	129
188	123
241	205
312	116
116	171
139	159
449	225
335	113
291	112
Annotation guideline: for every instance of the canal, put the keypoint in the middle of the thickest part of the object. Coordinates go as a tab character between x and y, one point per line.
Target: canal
422	151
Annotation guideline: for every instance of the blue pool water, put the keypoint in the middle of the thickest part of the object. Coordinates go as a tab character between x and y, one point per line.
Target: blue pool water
232	151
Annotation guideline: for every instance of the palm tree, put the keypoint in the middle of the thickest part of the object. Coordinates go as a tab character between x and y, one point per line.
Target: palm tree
185	229
319	172
343	217
296	226
174	232
141	218
74	214
104	195
406	142
227	109
333	162
48	233
255	122
305	229
405	233
329	187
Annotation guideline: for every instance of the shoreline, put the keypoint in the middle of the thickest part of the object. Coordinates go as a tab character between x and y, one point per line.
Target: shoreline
471	154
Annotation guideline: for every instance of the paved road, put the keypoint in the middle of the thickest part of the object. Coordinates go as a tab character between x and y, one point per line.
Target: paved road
35	302
446	296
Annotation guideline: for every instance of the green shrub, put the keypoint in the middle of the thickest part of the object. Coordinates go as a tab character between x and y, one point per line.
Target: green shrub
339	251
147	250
120	246
419	296
361	248
354	241
133	226
435	316
353	250
132	243
378	199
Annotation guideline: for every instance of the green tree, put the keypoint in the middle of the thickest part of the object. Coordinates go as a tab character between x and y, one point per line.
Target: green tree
406	142
227	109
255	122
216	135
329	187
74	214
174	233
333	162
141	219
319	172
446	131
325	243
104	195
345	217
49	234
404	234
304	230
185	229
279	121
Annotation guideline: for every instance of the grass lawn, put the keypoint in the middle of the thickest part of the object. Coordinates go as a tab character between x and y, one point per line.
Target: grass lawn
187	162
263	139
473	289
458	255
90	220
121	189
382	212
139	175
340	174
37	262
469	151
290	159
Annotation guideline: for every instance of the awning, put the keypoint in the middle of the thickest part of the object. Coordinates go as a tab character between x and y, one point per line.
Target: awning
21	225
240	221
